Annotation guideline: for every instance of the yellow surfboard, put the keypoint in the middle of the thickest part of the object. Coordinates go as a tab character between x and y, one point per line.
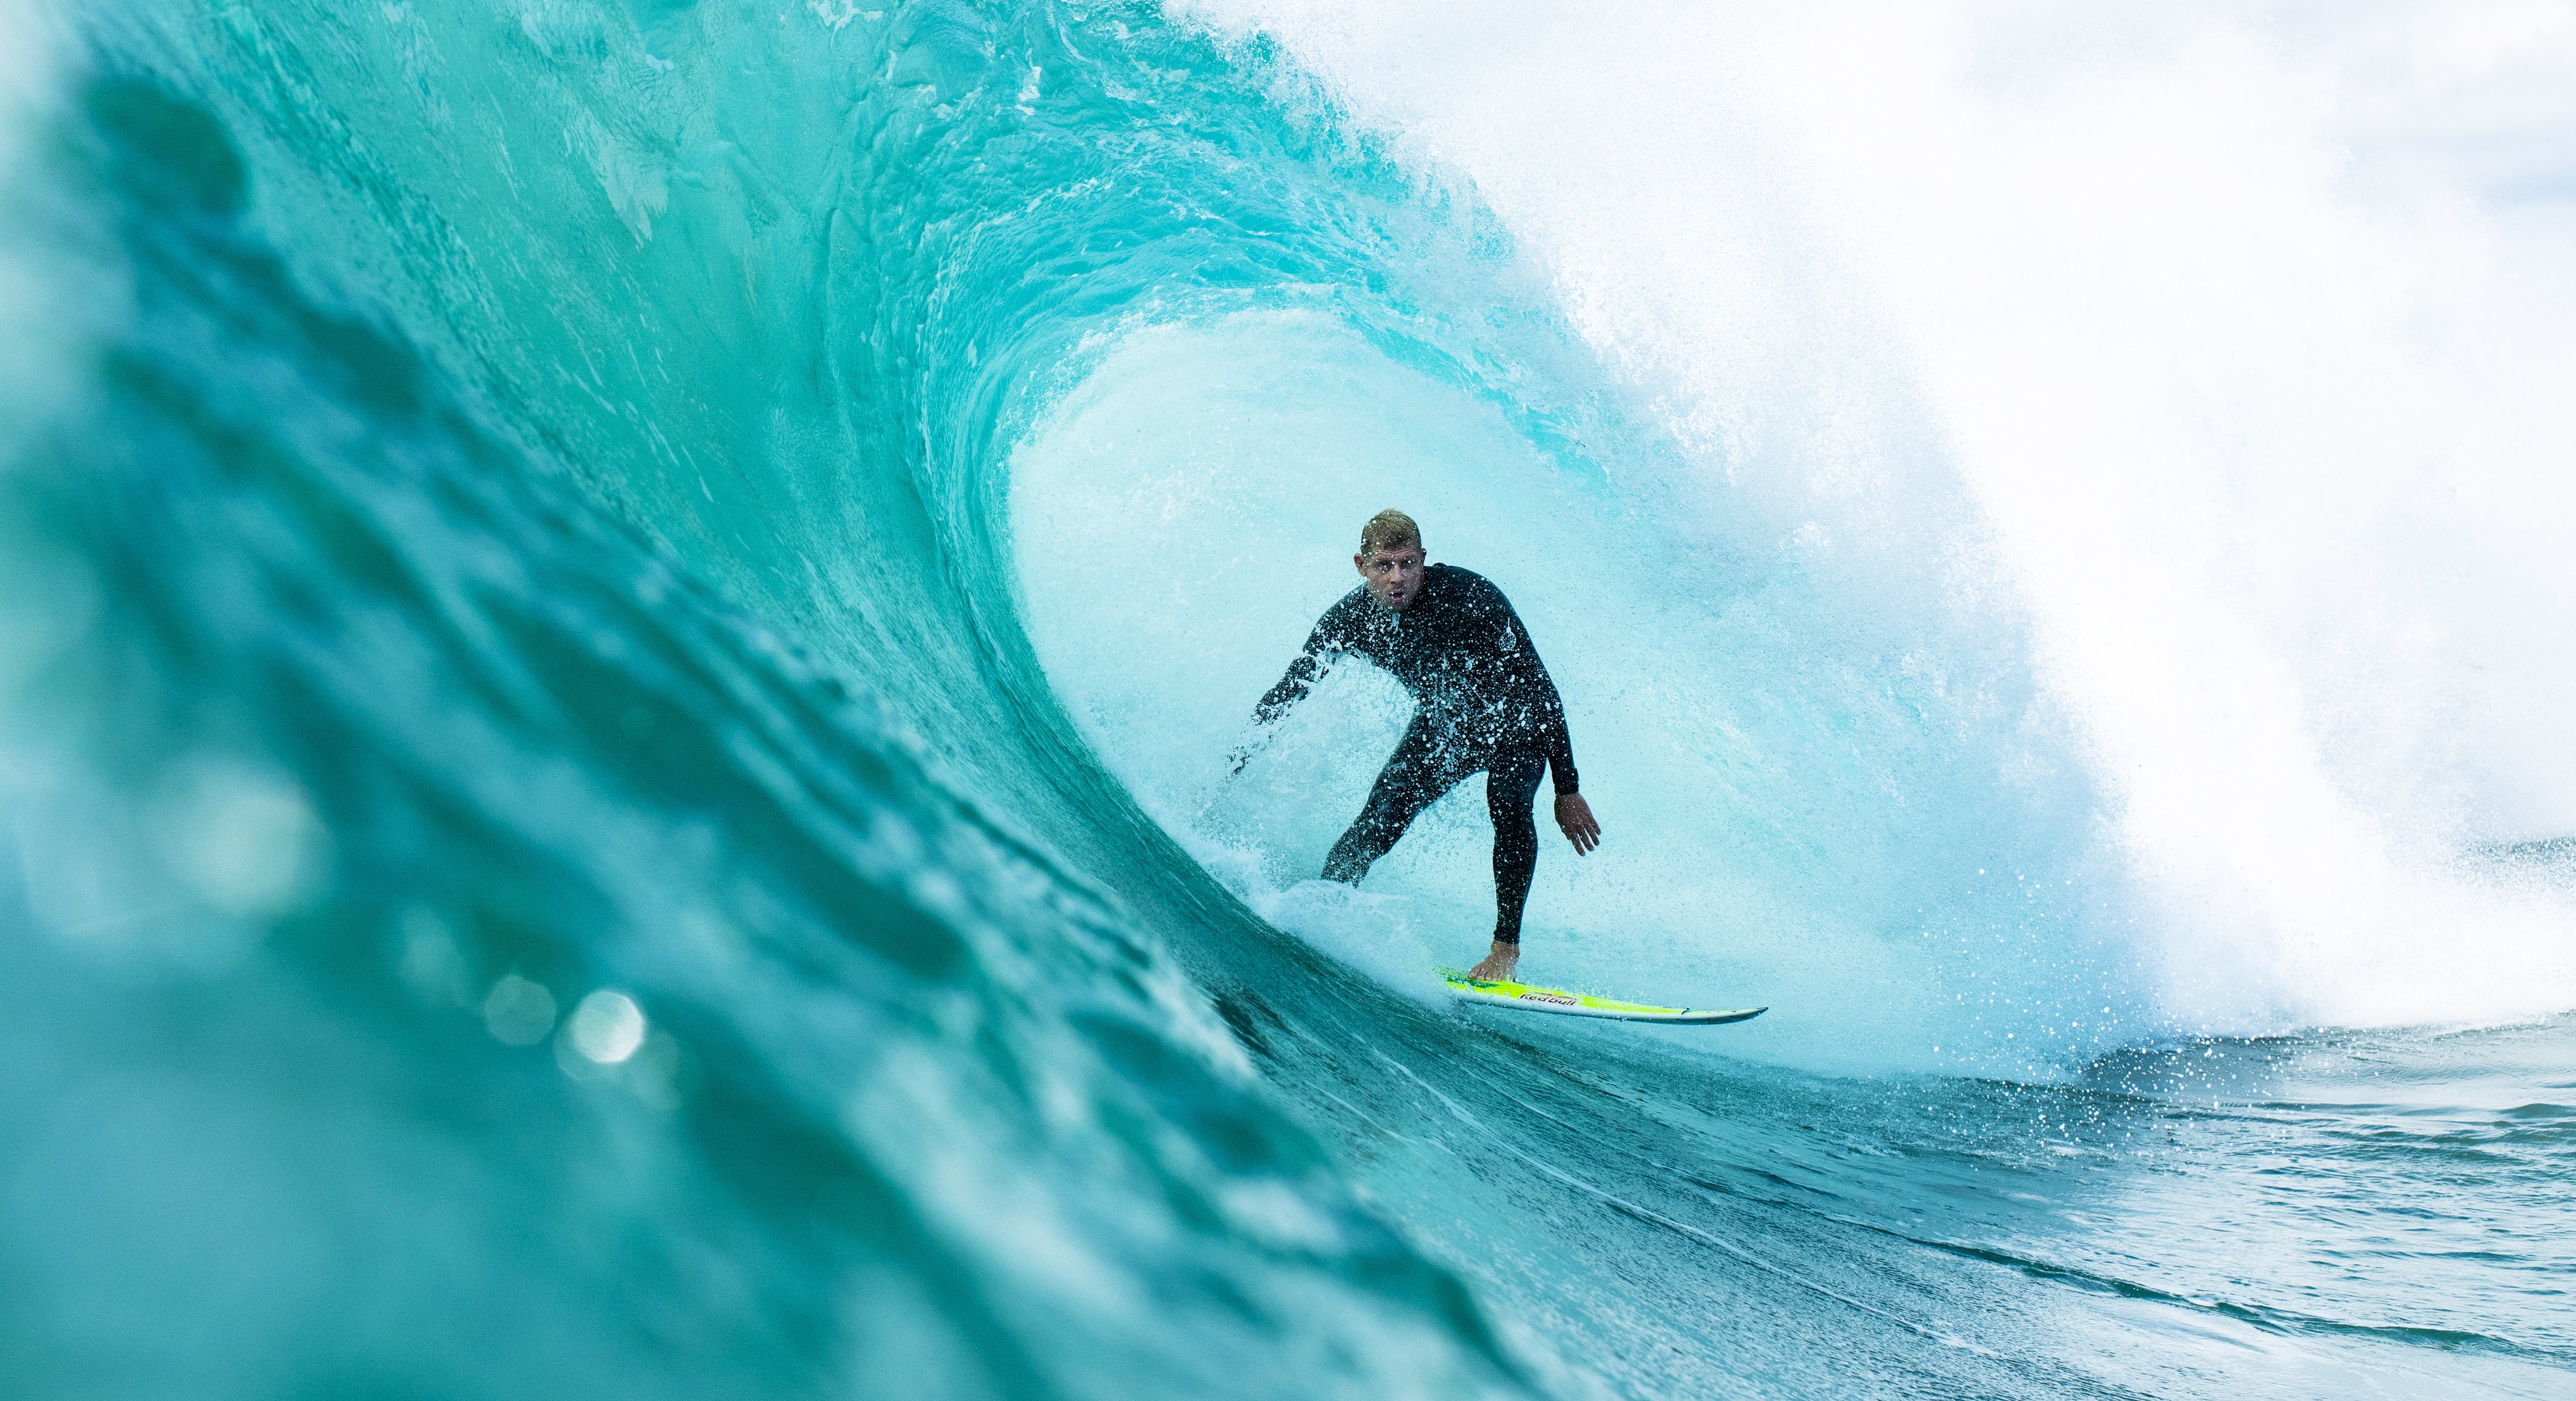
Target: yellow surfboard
1524	997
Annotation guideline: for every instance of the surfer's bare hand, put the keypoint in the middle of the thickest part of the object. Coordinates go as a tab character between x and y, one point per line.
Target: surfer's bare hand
1575	816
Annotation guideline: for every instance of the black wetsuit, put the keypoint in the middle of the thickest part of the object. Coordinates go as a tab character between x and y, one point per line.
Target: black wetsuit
1486	703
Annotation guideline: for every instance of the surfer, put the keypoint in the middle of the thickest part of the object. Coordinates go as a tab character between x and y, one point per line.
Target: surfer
1484	703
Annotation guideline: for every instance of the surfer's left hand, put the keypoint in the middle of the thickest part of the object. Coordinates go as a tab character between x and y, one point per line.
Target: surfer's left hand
1575	816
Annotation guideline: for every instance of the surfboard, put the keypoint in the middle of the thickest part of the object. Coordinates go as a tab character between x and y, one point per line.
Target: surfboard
1524	997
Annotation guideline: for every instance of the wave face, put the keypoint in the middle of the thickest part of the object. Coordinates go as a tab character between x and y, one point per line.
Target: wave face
615	623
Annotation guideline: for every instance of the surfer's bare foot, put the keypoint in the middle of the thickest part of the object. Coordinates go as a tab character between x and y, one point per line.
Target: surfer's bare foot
1498	965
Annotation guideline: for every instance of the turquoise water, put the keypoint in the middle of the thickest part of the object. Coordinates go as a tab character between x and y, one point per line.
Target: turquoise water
616	628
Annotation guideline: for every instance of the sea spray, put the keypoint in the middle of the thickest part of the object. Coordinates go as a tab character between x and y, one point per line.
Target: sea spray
2165	338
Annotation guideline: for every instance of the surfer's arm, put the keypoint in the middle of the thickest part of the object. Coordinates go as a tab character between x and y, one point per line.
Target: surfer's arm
1573	813
1321	645
1292	688
1530	683
1328	640
1553	735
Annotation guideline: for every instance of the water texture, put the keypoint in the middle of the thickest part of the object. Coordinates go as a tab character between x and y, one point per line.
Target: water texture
617	628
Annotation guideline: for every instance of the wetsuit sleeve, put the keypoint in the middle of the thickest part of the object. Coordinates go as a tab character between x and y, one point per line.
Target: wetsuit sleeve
1530	684
1326	640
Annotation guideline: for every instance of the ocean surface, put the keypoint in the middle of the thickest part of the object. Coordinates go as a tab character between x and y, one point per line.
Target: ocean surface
619	626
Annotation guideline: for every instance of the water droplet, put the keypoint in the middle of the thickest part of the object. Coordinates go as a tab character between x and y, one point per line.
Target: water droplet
431	963
244	838
606	1027
519	1012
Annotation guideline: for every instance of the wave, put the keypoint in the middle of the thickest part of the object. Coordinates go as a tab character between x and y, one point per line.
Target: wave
2186	359
618	625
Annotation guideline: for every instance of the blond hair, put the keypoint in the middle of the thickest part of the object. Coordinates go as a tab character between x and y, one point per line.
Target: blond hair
1389	529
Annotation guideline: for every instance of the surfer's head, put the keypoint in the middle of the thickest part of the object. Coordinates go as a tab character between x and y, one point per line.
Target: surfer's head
1390	559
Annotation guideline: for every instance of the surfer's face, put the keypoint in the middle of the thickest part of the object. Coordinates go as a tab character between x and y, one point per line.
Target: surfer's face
1394	575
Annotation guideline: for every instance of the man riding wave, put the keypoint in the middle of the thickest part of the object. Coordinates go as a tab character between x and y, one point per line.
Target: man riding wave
1485	703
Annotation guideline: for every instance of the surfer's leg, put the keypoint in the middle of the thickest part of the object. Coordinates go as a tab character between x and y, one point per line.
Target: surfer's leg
1511	788
1415	776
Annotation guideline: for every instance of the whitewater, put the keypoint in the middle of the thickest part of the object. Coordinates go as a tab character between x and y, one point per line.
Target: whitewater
621	621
